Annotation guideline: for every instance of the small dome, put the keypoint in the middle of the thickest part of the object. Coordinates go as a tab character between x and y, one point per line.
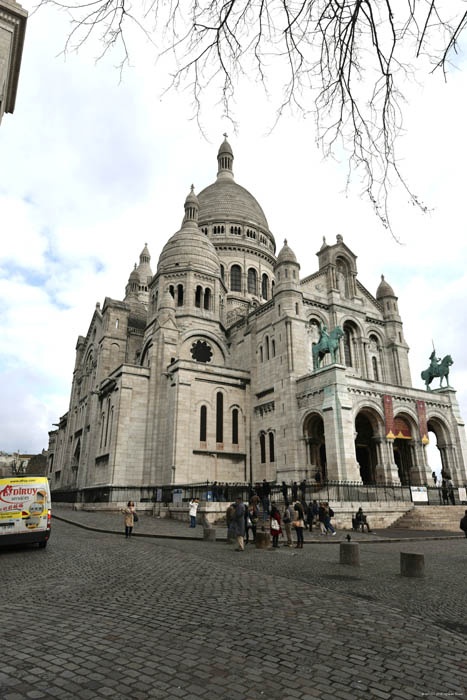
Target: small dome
384	289
286	255
191	197
225	147
134	275
189	246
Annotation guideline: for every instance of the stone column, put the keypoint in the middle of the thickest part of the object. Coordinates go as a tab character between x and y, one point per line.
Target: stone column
392	474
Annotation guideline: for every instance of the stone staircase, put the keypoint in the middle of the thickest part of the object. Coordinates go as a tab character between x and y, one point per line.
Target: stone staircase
431	518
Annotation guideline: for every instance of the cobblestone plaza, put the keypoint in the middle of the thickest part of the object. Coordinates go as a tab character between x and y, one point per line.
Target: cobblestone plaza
149	618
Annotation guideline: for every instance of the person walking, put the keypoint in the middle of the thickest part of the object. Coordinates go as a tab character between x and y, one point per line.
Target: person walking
275	525
322	519
463	524
265	491
299	524
327	520
193	509
238	523
287	518
130	518
252	515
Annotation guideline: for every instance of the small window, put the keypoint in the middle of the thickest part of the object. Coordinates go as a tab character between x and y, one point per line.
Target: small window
235	426
271	448
207	298
203	423
219	417
180	295
198	297
236	278
116	323
262	445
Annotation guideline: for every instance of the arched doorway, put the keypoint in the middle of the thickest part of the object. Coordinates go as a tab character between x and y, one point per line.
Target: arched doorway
403	449
313	430
367	425
439	457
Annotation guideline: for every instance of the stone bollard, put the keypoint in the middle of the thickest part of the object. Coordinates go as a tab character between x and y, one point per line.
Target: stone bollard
209	534
412	565
350	553
263	540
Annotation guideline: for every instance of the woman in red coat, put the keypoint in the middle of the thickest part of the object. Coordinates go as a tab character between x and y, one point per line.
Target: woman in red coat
275	525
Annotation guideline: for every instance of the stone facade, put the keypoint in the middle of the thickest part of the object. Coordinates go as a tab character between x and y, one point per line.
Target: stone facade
12	29
205	370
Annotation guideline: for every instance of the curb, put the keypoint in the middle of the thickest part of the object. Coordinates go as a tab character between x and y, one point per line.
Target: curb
381	540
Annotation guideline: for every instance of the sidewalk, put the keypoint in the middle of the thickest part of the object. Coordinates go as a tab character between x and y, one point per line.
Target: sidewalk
150	526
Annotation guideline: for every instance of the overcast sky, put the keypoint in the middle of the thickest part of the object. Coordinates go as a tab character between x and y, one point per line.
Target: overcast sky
92	168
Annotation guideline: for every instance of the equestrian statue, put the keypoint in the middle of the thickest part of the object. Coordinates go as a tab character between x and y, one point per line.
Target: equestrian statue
328	342
438	368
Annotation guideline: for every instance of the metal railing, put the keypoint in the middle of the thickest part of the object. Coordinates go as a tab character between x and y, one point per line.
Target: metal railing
344	491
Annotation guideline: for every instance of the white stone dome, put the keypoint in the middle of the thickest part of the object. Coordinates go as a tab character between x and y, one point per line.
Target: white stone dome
189	246
225	200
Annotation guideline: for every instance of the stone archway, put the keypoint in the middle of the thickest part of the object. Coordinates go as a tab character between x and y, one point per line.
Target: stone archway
368	437
437	428
313	431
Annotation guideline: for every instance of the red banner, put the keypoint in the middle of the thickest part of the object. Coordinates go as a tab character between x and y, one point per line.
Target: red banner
388	415
421	410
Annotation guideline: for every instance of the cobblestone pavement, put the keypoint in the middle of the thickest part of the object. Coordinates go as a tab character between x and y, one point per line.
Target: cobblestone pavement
98	616
166	527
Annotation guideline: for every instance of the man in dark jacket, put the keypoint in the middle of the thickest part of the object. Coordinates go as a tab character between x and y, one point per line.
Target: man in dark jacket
238	523
463	524
285	492
294	491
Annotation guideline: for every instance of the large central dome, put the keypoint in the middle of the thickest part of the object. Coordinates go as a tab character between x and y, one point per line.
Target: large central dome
224	200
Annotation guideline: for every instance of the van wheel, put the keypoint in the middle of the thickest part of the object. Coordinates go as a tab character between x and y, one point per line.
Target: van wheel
43	545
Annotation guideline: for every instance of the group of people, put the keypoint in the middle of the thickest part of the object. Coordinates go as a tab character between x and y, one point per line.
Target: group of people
242	520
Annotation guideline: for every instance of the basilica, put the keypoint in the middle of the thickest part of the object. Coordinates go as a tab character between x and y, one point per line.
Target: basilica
209	370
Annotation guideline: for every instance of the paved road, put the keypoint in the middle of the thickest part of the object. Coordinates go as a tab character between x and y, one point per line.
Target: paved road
97	616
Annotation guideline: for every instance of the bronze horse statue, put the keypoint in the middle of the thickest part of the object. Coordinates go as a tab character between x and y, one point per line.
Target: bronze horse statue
329	344
441	371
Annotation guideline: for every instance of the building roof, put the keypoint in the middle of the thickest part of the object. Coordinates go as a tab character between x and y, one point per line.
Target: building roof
225	200
384	289
286	254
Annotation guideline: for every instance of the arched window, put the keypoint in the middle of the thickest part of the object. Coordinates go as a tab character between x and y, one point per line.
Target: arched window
111	423
266	343
203	414
261	357
107	423
172	290
273	347
117	323
180	295
207	298
348	339
102	429
198	293
265	287
262	445
235	426
236	278
375	369
271	448
222	272
219	417
252	281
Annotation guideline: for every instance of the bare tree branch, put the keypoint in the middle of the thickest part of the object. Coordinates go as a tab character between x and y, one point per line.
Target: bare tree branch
345	61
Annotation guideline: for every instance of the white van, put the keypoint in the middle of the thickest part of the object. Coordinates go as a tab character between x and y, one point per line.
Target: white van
25	510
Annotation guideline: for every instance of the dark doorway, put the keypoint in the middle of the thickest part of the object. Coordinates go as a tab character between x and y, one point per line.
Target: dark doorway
365	449
316	446
403	459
